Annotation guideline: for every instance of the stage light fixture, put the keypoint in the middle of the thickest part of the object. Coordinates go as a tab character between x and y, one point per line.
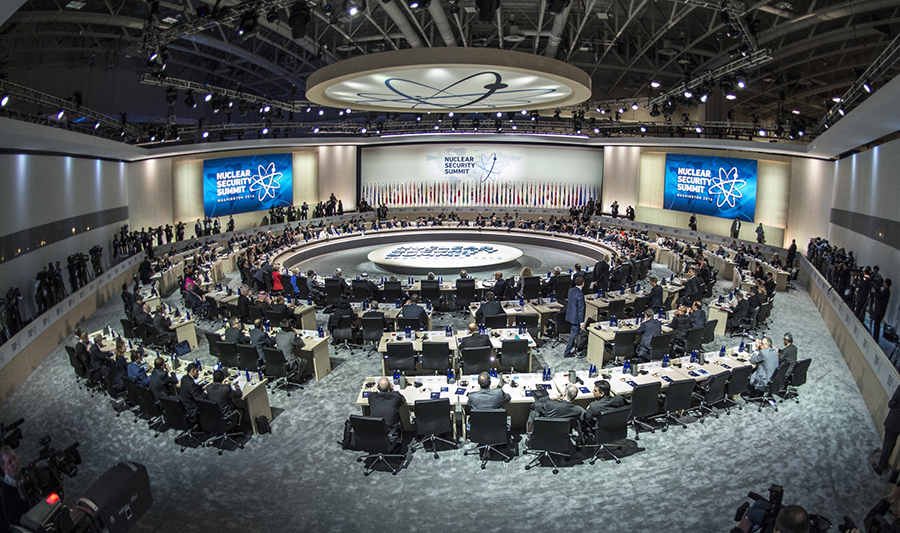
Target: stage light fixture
348	111
635	106
321	112
316	129
454	125
265	130
596	130
450	114
352	7
418	117
643	129
475	124
740	80
171	95
796	111
841	111
247	24
4	100
524	111
299	18
655	84
208	97
698	129
688	93
205	134
499	114
96	125
437	126
621	110
272	16
514	127
60	114
762	133
534	116
602	111
654	112
867	86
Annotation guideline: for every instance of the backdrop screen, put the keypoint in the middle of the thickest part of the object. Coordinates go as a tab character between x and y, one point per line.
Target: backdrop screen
716	186
252	183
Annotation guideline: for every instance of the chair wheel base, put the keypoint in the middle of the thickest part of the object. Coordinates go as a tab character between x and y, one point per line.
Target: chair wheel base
436	456
527	467
618	461
366	473
555	471
220	452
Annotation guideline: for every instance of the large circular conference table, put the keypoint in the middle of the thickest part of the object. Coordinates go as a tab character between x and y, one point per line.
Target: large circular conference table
502	239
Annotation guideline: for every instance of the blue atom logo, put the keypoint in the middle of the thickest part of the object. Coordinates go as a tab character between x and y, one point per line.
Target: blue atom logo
486	166
727	188
266	182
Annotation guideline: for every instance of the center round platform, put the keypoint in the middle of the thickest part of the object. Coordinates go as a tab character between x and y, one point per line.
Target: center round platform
443	256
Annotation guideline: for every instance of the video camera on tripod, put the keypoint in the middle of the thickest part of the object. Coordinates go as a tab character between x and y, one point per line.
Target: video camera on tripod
43	476
764	511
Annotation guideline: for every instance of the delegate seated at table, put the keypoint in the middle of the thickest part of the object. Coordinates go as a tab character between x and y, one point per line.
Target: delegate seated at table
385	403
648	328
161	378
557	408
490	307
486	397
235	331
766	359
474	340
412	309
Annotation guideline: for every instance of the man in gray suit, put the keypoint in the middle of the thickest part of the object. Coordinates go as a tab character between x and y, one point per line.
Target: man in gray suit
288	341
486	397
766	361
788	354
259	338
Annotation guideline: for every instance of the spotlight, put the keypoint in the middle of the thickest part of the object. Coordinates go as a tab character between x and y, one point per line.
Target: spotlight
96	125
796	111
475	124
836	99
730	96
363	129
655	84
534	116
450	114
762	133
840	110
416	4
867	86
621	110
299	19
4	100
316	129
418	117
266	108
688	93
205	134
524	111
741	81
499	114
208	97
265	130
596	130
655	111
635	106
171	95
272	16
643	129
437	126
698	129
704	94
60	114
248	23
515	127
603	111
352	7
321	112
454	125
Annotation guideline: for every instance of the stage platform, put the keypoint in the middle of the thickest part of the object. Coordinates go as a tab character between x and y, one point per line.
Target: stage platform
443	257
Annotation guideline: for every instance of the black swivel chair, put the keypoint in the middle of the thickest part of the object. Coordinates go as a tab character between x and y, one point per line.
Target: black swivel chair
775	386
660	345
476	360
401	356
175	416
359	289
612	426
514	354
393	291
563	284
465	293
81	375
711	392
531	287
413	323
693	341
213	340
431	292
276	317
709	331
532	324
495	321
228	354
256	313
644	405
622	346
616	308
334	288
436	356
433	419
281	373
215	424
372	331
213	311
127	328
549	437
371	435
640	303
562	326
748	324
343	332
149	408
737	385
133	397
678	398
487	429
248	357
668	303
795	380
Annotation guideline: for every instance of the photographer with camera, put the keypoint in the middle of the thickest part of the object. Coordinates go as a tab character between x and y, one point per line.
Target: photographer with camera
12	500
790	519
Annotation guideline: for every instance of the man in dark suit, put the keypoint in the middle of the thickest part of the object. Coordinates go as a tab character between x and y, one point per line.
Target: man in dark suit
647	330
499	288
735	228
339	275
681	325
578	272
412	309
224	395
474	340
279	306
490	307
754	301
161	378
82	347
386	404
616	276
190	390
97	357
740	312
163	324
693	290
605	400
601	275
486	397
891	432
374	312
127	300
561	408
575	313
235	332
881	296
11	500
243	302
288	341
136	368
656	295
145	270
259	338
770	283
788	354
698	316
137	309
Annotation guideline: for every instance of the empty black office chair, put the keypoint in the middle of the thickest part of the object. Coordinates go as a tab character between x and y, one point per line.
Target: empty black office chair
644	405
214	310
775	386
149	408
693	341
487	429
531	323
531	287
436	356
81	374
393	291
116	396
281	373
737	385
413	323
747	324
549	437
622	346
213	340
495	321
709	332
431	292
514	354
256	313
465	293
561	326
616	308
660	345
678	398
334	288
127	328
797	378
228	354
401	356
477	360
248	357
276	317
133	397
433	419
302	288
371	435
640	303
711	392
372	331
343	332
612	426
359	289
668	303
175	416
563	284
215	424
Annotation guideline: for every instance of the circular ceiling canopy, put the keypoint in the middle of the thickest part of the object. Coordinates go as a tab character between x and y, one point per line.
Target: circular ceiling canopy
449	79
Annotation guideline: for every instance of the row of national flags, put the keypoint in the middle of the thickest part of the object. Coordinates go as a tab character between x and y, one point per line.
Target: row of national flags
468	193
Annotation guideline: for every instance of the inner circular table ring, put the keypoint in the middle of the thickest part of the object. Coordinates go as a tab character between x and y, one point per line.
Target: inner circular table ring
444	256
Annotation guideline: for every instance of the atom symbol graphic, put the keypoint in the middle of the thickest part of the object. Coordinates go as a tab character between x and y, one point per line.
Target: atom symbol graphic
486	88
487	166
266	182
728	187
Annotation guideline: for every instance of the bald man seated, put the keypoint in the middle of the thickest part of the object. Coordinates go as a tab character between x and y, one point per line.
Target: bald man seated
386	403
486	397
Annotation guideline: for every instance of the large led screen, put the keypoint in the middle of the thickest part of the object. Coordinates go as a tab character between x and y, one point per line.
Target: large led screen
252	183
716	186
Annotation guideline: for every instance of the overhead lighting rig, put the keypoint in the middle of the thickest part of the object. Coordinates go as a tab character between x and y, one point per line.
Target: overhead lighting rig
695	84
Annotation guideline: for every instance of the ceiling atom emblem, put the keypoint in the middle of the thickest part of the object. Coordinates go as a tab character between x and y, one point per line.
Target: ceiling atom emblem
446	79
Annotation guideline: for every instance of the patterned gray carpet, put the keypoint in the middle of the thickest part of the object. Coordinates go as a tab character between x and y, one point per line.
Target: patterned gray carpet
298	478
